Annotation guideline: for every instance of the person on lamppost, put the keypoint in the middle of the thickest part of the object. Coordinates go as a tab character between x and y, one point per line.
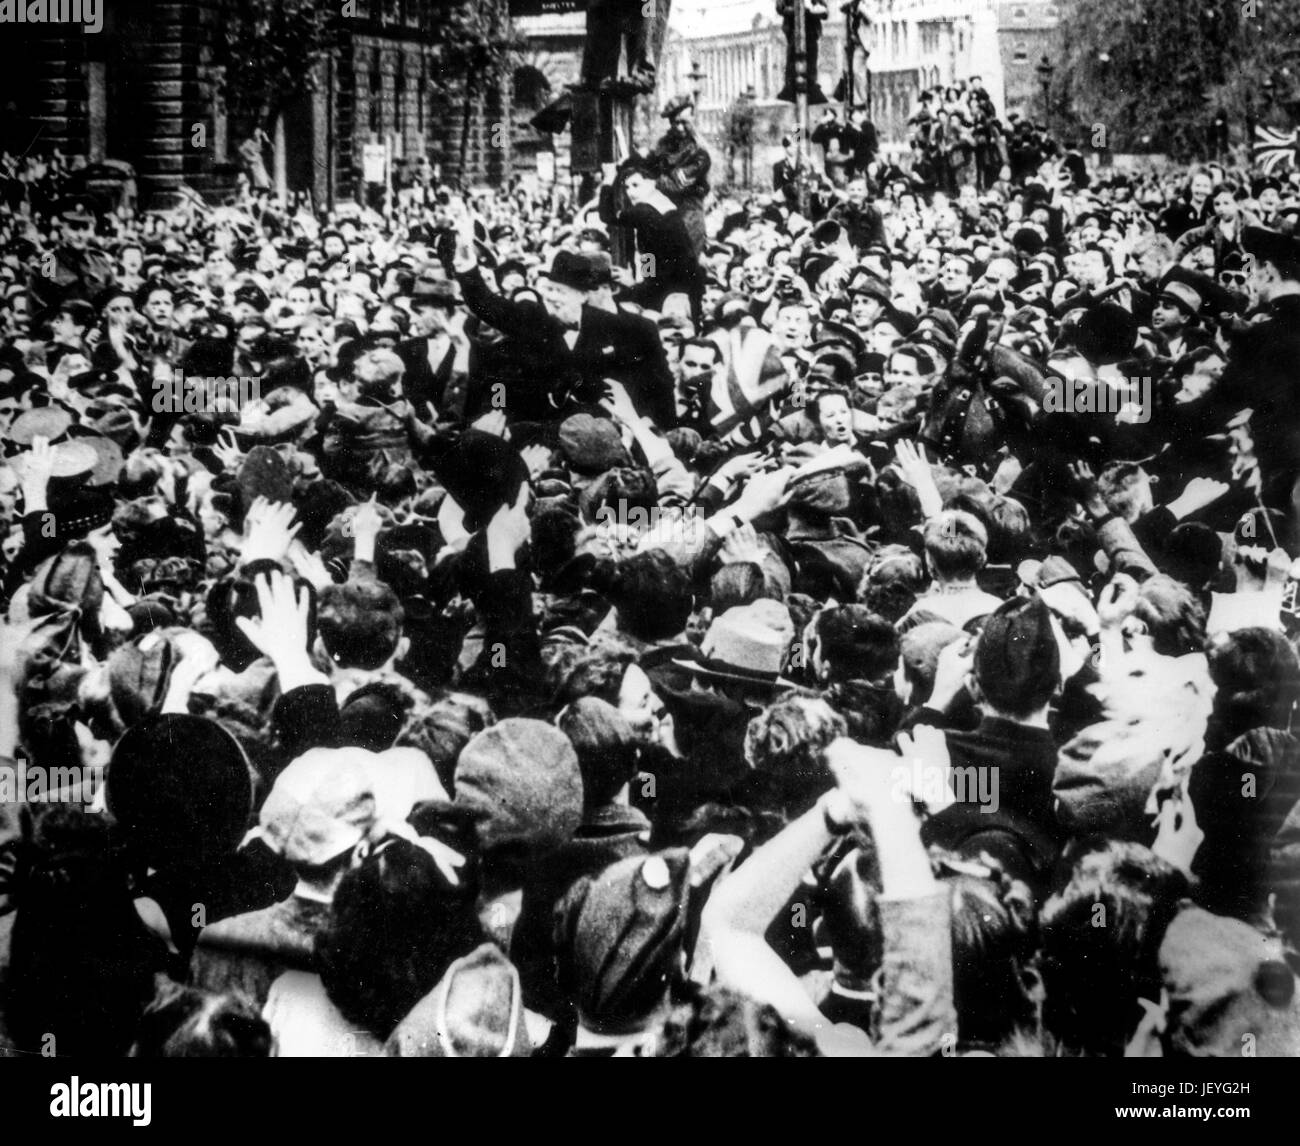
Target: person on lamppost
815	12
681	165
611	24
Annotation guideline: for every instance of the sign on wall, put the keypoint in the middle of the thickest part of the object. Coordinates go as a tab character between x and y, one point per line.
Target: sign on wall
546	7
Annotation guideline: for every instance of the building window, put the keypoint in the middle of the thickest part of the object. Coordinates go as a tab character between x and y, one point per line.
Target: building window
1022	53
1052	12
1019	15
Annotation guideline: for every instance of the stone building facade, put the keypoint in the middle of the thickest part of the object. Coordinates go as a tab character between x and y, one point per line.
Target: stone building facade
148	89
1028	30
916	44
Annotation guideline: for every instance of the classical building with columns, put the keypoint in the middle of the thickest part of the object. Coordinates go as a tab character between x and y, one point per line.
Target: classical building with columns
148	89
720	54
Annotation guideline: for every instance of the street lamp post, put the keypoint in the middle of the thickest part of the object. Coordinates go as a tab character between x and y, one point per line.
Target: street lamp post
801	99
1045	72
750	95
697	76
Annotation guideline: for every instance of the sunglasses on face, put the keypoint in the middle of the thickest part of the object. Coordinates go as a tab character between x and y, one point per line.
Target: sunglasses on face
1233	278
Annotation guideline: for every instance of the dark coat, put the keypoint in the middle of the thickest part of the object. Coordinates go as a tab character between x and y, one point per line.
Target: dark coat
1022	833
544	379
1181	217
1262	368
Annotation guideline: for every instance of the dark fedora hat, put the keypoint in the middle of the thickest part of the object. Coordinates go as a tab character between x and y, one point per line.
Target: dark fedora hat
574	269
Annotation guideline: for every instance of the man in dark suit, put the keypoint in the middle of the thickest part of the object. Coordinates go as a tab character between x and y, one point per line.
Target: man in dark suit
436	358
1263	364
555	357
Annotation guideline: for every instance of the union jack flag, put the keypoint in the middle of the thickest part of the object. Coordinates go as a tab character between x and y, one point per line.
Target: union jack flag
1273	148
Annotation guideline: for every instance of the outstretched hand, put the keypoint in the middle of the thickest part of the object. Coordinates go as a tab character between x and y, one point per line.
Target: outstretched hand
268	531
281	630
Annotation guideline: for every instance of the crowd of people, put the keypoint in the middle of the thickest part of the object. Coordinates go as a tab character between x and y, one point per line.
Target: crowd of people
870	632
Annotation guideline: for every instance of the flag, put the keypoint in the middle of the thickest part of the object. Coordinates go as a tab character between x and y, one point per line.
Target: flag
192	202
751	377
1273	148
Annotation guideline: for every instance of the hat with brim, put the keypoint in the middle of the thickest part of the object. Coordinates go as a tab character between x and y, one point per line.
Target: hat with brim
108	455
181	789
675	107
1053	570
575	270
840	334
50	422
1194	292
71	461
746	644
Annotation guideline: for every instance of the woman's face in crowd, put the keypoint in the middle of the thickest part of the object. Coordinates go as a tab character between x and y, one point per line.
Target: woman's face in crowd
1269	200
1200	188
299	300
835	419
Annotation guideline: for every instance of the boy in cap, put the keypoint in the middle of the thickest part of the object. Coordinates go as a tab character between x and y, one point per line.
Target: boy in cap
320	815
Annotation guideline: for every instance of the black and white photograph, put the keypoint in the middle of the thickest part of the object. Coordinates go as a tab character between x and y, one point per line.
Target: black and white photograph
649	529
